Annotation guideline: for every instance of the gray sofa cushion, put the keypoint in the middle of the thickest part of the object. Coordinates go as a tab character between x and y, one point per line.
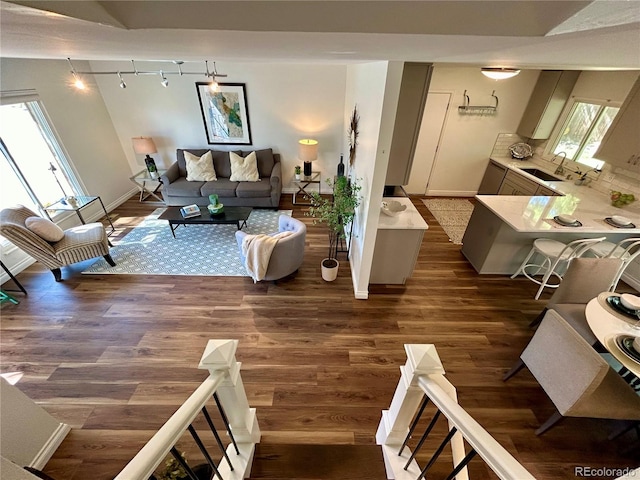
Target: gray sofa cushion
265	161
261	188
182	188
222	187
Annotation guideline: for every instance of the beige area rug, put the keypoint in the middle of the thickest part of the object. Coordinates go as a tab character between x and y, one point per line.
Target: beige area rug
452	214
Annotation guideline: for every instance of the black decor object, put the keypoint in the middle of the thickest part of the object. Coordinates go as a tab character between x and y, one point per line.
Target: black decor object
341	168
307	169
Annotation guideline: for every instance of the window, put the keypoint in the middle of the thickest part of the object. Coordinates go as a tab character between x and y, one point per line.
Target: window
31	158
583	131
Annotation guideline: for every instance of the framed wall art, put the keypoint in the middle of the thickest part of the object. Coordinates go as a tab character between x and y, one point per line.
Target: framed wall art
224	113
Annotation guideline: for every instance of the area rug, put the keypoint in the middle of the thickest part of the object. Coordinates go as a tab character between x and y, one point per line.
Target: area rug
452	214
150	249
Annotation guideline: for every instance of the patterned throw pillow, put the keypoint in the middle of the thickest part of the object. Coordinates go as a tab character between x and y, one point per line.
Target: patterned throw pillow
244	169
45	229
200	169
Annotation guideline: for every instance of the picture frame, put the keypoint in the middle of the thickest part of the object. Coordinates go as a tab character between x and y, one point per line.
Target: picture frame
224	113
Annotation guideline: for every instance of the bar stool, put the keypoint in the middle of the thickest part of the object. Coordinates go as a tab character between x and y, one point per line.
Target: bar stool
626	250
554	253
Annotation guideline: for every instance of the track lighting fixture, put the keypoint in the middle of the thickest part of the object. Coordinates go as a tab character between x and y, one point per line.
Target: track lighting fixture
496	73
77	81
212	75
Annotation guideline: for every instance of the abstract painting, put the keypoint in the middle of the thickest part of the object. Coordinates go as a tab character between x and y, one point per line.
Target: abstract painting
224	113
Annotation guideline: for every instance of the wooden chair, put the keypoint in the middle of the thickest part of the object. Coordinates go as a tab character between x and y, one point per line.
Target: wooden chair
78	243
579	382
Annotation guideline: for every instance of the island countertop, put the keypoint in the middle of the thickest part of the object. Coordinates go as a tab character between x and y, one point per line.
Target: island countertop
535	214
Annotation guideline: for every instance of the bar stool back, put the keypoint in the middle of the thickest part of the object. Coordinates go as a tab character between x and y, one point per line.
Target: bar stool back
555	255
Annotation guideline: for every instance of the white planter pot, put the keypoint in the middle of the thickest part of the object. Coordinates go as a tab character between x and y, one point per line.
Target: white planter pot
297	176
329	274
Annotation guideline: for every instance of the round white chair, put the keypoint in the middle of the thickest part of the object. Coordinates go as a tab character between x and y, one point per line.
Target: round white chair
555	255
626	250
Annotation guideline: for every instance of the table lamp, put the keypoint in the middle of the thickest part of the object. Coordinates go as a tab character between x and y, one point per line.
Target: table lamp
145	146
307	152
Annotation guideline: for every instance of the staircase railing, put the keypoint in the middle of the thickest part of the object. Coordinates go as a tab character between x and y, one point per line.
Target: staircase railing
225	385
423	375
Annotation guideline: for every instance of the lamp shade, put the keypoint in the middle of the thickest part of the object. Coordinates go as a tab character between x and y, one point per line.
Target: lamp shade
144	145
496	73
307	150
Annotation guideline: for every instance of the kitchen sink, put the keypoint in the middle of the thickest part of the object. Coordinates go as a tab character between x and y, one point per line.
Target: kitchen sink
547	177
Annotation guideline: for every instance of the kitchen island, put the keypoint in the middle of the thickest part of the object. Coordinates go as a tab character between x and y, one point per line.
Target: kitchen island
397	244
502	228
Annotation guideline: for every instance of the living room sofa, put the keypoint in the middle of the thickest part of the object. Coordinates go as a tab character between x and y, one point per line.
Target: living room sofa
178	191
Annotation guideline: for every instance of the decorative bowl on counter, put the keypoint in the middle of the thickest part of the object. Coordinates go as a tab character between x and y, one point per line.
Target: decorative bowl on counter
393	208
619	199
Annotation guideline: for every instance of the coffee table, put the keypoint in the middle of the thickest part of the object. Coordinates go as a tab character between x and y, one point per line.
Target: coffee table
230	216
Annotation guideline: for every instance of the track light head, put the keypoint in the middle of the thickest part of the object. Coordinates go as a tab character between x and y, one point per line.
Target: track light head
165	82
213	86
122	84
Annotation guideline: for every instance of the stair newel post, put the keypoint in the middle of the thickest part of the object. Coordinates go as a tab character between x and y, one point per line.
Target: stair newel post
395	422
219	356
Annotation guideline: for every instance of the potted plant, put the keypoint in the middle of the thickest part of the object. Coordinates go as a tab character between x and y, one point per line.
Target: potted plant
298	172
336	212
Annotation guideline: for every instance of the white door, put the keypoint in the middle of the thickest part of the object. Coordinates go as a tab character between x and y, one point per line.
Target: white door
435	111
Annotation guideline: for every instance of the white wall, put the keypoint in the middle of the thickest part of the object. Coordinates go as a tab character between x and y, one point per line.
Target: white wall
467	140
286	102
374	88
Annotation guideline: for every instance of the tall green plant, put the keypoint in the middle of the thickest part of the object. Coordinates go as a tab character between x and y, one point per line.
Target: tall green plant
338	211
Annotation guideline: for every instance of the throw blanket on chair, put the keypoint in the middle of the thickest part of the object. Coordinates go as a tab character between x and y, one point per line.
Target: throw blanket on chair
257	252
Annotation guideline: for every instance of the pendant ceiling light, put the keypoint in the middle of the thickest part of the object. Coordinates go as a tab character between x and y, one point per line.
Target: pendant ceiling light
497	73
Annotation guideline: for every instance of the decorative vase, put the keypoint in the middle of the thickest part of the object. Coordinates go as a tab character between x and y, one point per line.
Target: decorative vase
341	168
297	176
329	269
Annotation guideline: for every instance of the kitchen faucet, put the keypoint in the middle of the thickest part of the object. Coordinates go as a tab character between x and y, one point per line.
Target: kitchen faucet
560	169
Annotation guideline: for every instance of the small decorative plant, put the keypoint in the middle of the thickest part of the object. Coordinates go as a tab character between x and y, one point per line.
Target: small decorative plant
335	212
298	170
619	199
172	470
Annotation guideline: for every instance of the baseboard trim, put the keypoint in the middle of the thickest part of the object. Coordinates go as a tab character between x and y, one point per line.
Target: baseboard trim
50	447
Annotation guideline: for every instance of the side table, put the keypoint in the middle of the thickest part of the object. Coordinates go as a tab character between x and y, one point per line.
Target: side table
303	184
80	202
142	179
4	296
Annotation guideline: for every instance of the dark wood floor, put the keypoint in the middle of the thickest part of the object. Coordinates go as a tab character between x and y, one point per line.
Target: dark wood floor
113	356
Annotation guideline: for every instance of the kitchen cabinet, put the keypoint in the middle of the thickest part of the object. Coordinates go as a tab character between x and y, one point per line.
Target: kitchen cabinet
549	97
397	246
514	184
545	192
492	180
413	95
621	144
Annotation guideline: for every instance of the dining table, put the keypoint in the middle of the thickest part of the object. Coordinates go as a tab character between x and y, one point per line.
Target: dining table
615	328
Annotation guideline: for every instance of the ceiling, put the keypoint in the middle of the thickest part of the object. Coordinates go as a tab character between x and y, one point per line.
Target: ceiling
573	34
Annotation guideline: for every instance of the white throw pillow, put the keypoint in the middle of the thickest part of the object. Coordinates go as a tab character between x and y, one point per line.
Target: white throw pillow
244	169
200	169
45	229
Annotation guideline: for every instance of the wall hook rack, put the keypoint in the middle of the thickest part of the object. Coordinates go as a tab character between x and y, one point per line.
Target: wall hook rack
478	109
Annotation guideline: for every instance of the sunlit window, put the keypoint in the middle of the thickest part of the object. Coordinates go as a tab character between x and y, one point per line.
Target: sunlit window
33	169
583	131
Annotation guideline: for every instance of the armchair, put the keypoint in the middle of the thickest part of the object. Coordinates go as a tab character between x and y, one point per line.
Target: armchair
77	244
288	253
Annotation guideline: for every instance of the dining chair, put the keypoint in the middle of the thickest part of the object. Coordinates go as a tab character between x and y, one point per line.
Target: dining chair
555	255
584	280
626	250
579	381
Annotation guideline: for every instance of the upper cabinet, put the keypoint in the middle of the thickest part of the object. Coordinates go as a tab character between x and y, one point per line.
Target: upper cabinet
546	103
413	95
621	144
